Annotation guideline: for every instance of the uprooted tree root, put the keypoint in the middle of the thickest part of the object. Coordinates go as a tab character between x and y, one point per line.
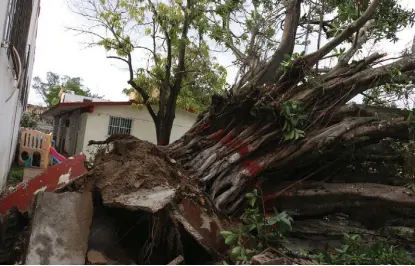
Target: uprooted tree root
132	164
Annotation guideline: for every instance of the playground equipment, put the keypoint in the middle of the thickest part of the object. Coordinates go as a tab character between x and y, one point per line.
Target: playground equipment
36	148
56	156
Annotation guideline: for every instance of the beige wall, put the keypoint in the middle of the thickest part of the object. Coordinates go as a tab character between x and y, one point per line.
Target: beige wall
96	124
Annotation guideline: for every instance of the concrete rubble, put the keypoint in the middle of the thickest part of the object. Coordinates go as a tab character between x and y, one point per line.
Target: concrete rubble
141	213
148	200
60	228
96	258
72	222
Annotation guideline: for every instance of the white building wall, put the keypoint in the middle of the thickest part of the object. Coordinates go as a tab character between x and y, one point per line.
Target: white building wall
10	106
142	127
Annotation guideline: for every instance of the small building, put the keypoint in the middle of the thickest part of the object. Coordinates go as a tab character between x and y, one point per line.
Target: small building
76	123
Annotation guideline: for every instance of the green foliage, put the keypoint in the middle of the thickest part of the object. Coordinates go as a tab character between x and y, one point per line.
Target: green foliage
411	185
29	120
49	89
355	252
289	61
253	235
294	118
339	52
162	24
390	18
396	88
15	176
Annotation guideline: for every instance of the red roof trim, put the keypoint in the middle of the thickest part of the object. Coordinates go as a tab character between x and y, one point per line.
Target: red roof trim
85	104
88	104
91	104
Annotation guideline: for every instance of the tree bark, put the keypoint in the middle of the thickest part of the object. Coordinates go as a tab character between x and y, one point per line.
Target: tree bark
229	148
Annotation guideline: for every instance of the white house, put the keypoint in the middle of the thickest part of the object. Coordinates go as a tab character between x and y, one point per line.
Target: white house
18	29
76	123
71	97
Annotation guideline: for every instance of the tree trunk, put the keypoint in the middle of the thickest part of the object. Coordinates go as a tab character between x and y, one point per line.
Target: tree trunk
163	130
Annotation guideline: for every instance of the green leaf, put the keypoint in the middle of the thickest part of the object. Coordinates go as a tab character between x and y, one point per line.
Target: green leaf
226	233
252	202
249	195
236	251
230	240
251	227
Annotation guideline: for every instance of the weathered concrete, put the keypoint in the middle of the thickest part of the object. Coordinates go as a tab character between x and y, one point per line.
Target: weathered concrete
30	173
148	200
60	228
96	258
202	224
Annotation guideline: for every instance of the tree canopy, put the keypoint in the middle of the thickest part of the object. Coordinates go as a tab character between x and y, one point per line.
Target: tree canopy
179	66
49	89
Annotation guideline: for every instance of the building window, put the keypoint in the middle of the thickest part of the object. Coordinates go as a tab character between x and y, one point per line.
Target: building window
87	100
9	20
16	32
119	125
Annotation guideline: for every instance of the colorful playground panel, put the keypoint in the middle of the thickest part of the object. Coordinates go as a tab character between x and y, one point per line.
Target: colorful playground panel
35	145
52	178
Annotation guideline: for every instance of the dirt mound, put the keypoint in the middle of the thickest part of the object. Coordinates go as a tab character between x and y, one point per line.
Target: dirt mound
130	165
113	138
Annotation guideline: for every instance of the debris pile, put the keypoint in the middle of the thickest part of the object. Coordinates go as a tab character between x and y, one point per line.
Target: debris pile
138	206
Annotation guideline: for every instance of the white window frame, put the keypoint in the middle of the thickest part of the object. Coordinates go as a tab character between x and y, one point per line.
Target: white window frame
119	125
8	23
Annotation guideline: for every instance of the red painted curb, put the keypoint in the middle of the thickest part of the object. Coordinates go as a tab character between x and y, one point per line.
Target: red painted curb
52	178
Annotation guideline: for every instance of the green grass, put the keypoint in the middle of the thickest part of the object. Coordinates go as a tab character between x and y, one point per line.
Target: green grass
15	175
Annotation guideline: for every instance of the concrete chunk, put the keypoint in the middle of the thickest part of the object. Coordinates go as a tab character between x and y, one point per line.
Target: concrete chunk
96	258
60	228
149	200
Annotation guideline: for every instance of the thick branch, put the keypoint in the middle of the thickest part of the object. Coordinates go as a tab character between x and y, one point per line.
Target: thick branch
314	57
139	89
363	36
269	72
360	110
118	58
413	46
369	78
377	130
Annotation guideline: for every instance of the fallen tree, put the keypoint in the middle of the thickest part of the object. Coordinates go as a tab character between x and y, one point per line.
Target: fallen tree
292	123
282	124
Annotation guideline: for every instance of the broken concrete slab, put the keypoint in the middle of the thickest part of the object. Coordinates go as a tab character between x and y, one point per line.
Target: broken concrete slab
202	224
94	257
51	179
60	228
148	200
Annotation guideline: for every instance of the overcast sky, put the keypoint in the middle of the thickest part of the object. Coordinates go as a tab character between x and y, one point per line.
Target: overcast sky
60	51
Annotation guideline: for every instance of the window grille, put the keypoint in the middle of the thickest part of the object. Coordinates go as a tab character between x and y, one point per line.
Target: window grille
9	21
119	125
